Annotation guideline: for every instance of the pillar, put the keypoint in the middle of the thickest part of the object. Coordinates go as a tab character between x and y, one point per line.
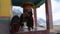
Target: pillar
5	6
35	18
49	20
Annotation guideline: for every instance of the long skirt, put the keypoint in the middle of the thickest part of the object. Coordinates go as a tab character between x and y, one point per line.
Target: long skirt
14	28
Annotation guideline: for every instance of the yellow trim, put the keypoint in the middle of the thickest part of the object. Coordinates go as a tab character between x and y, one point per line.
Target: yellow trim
5	7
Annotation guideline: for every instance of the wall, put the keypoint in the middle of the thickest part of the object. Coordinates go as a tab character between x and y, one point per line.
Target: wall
5	6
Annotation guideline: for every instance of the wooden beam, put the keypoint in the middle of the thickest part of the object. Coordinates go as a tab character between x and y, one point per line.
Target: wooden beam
35	18
49	15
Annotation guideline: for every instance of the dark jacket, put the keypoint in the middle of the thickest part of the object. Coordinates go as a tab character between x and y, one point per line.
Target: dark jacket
15	19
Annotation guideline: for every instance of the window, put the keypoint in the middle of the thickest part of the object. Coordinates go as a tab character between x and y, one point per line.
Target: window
56	14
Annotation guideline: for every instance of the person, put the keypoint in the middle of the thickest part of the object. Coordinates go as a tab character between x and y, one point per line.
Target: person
14	24
21	23
30	21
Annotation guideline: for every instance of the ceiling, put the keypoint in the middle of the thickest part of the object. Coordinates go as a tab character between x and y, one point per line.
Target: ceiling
37	3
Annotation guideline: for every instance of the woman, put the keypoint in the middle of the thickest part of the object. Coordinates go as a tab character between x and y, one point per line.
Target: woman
14	24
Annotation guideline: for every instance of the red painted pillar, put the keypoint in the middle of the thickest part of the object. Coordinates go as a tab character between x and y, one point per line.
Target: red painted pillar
49	16
35	18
